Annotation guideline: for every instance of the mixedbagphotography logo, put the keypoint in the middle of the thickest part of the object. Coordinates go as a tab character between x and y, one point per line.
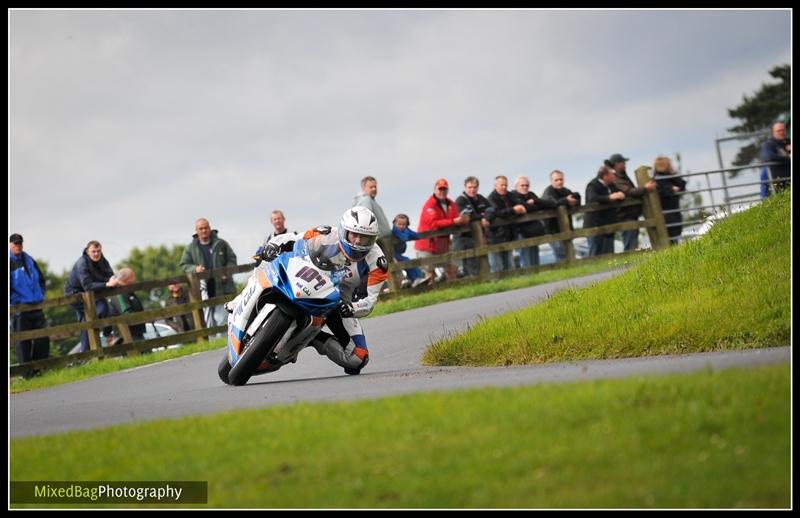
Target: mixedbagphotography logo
109	492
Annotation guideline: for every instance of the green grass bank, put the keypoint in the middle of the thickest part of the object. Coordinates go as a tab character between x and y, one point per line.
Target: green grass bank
727	290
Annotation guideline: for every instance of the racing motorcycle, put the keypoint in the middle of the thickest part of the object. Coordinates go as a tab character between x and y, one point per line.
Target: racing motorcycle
282	308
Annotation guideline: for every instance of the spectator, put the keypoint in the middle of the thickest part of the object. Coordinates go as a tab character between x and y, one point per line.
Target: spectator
503	206
439	212
668	186
766	186
206	252
366	199
26	286
529	256
126	303
476	205
604	191
91	272
778	149
559	194
278	224
630	238
402	233
177	296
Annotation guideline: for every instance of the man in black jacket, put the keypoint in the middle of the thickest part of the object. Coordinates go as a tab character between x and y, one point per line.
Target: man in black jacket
529	256
602	190
630	238
476	205
503	206
559	194
91	272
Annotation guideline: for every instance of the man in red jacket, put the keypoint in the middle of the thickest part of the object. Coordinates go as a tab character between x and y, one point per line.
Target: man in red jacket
438	212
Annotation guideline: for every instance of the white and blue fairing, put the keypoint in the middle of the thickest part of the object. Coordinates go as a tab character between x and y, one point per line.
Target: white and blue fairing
303	282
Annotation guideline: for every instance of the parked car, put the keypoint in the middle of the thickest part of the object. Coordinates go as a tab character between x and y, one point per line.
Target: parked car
152	330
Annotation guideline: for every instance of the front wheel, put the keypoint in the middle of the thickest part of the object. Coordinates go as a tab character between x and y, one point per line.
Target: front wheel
262	342
224	369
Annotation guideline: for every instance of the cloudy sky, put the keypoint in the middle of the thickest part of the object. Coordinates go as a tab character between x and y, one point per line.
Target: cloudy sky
126	126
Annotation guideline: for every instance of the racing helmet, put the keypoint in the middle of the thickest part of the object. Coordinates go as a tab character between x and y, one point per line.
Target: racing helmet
358	231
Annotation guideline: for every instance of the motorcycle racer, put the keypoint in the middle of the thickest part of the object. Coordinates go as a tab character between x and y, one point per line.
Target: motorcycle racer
358	258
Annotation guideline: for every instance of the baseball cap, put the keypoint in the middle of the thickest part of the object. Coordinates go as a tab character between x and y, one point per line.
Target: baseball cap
441	182
16	239
616	157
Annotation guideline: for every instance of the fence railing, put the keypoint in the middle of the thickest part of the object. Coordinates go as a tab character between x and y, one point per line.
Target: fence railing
748	192
653	222
93	325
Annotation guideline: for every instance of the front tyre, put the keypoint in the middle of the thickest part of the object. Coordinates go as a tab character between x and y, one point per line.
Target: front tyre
259	346
224	369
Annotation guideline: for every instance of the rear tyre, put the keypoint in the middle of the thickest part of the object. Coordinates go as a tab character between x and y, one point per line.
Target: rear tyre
224	369
259	346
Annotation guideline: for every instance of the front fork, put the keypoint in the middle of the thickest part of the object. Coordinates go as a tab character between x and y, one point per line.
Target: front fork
299	335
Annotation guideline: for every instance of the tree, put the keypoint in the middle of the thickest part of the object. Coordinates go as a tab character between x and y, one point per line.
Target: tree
770	103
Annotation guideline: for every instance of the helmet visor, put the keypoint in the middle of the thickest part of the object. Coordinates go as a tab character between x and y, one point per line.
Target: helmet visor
361	242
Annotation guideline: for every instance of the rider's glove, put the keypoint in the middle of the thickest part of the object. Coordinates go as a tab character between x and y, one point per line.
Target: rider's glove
267	253
345	309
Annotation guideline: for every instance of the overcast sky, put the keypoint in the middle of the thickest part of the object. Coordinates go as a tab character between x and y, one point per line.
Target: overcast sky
126	126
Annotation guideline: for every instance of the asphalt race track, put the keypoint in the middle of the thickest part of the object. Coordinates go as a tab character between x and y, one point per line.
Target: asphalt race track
190	385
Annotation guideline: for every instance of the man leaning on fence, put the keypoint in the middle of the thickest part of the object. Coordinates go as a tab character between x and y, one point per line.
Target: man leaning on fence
124	304
602	190
559	194
630	238
476	206
91	272
27	286
207	252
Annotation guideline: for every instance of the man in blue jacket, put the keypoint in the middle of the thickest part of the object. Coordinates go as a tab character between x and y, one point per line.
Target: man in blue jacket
777	151
91	272
27	285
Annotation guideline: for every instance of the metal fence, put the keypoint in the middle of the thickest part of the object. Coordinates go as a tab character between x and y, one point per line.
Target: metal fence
721	195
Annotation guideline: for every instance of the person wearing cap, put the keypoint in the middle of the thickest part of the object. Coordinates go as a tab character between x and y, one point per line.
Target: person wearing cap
505	206
630	238
91	272
27	286
603	191
438	212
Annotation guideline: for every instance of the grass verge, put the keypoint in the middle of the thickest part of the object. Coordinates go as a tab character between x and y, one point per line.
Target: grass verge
728	290
701	440
95	367
476	288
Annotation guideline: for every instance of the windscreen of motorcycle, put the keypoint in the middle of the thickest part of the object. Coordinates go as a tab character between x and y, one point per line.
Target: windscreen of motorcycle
325	253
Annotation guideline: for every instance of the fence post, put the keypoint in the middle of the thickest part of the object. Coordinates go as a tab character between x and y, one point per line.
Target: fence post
90	311
387	246
479	241
194	296
659	239
564	226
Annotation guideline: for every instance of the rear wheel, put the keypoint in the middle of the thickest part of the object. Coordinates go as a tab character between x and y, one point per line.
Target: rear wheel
265	338
224	369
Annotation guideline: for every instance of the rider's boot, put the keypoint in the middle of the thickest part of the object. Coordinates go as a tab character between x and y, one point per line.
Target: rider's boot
350	356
